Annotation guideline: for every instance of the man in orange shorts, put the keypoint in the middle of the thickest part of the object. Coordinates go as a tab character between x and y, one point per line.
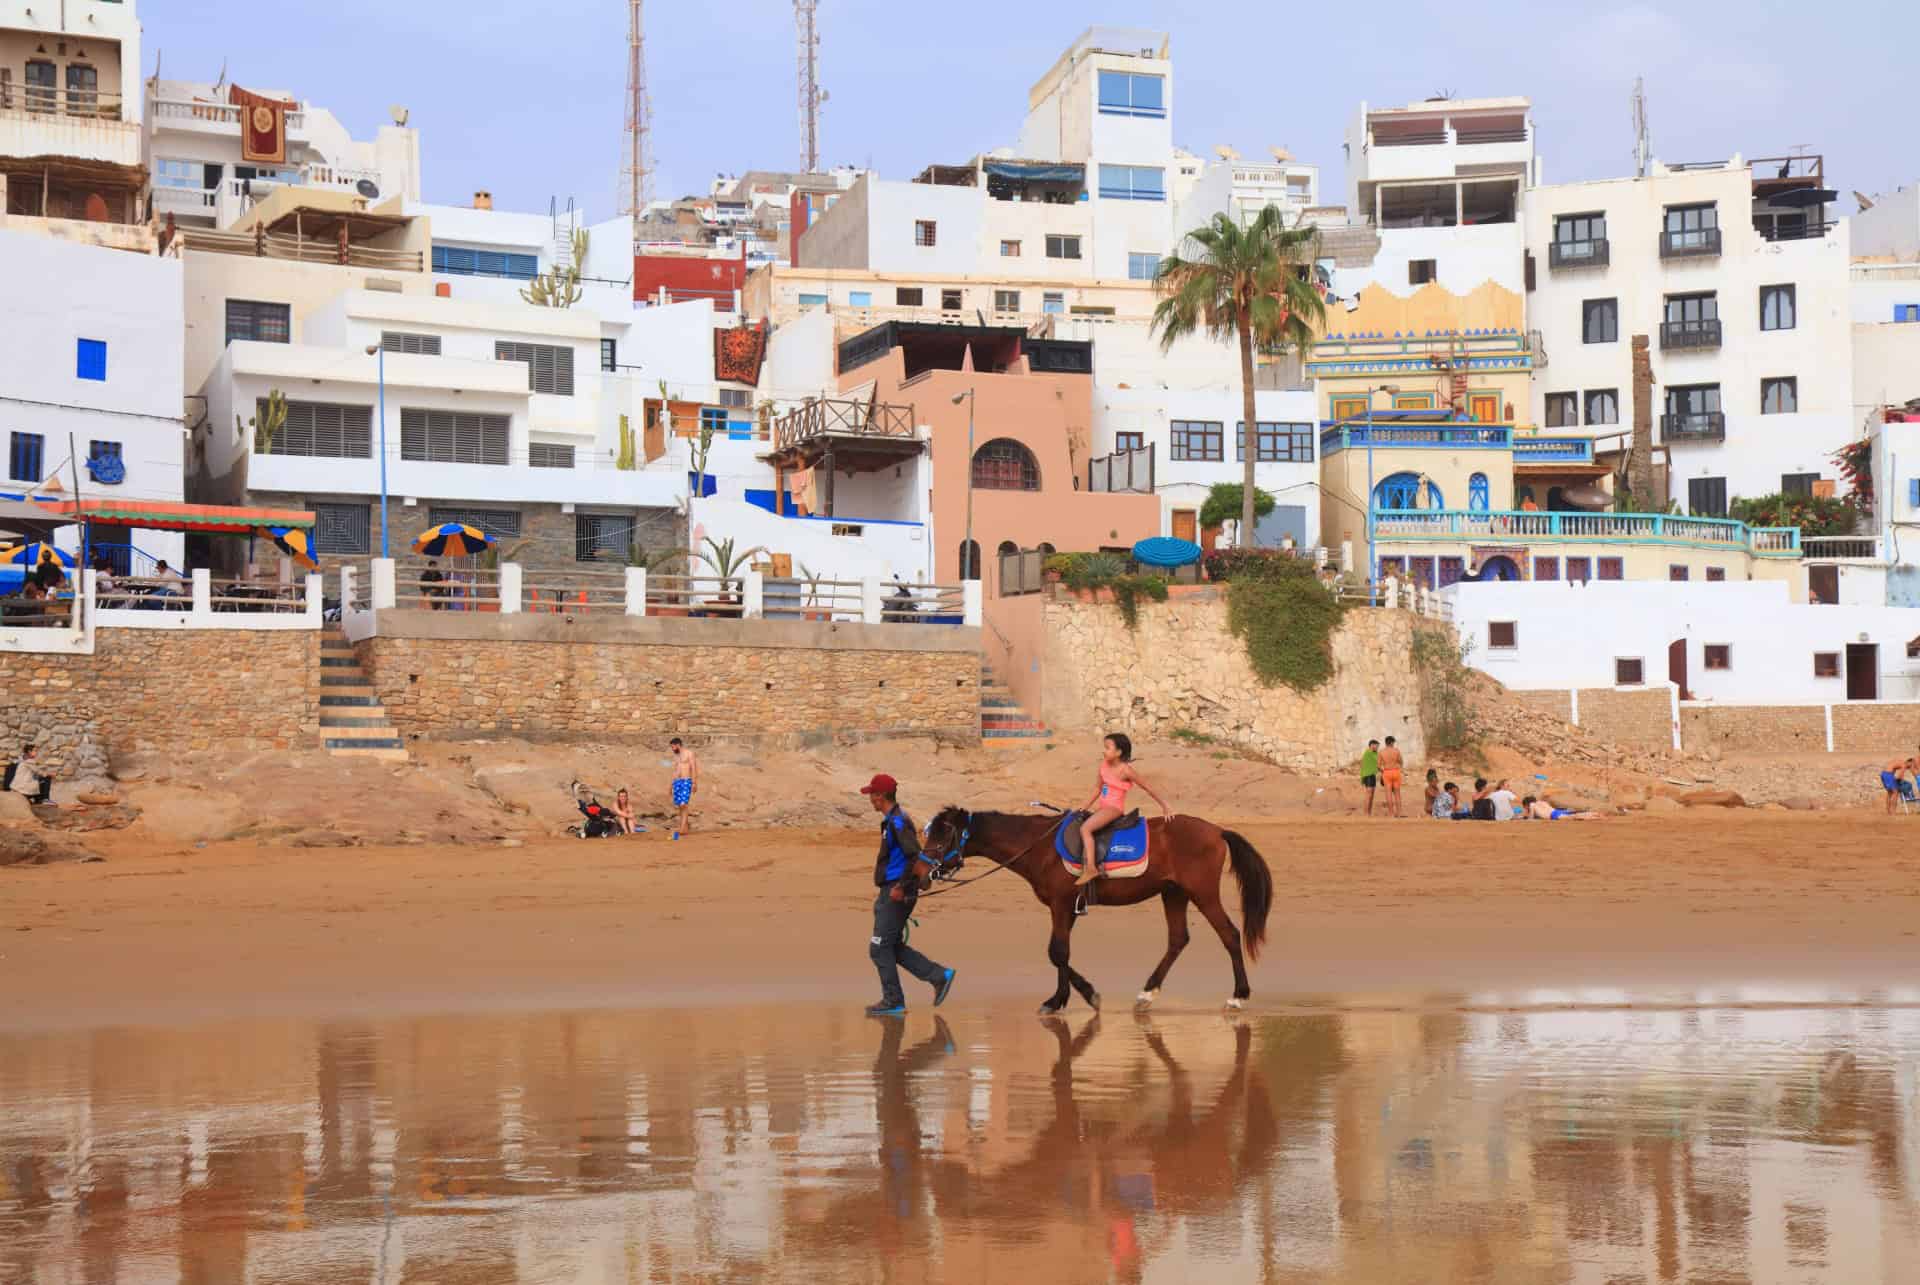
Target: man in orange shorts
1393	767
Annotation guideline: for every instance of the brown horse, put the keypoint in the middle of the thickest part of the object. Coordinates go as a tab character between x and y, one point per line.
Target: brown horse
1187	858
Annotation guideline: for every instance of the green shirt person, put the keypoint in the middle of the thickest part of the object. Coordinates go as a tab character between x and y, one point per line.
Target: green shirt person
1370	771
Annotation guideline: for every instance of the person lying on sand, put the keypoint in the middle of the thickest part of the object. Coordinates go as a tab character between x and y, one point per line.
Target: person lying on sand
1532	809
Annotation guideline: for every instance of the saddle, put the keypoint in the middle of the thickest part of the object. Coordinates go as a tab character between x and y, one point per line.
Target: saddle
1120	847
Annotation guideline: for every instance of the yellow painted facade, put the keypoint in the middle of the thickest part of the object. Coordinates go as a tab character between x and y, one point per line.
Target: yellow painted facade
1467	354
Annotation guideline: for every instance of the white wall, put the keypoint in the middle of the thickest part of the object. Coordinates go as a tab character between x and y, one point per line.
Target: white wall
1891	229
894	207
1569	635
57	293
1878	288
800	358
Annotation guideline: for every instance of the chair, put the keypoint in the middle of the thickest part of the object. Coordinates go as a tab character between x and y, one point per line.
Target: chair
1907	797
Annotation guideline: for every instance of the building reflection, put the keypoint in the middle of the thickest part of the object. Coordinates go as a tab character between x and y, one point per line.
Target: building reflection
1359	1145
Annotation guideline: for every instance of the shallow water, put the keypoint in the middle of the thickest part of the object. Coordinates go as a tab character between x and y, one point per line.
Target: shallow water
1450	1142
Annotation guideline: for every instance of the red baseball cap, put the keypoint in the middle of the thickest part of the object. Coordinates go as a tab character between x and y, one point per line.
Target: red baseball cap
881	784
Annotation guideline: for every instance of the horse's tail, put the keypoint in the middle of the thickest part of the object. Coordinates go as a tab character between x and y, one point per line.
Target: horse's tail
1256	890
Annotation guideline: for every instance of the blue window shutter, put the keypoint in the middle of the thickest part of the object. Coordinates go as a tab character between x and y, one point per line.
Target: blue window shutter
1913	491
90	361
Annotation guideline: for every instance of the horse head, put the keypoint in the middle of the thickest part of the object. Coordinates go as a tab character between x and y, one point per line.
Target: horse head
948	835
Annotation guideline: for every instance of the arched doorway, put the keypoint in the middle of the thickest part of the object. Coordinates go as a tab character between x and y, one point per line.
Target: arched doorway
1499	567
969	559
1402	491
1478	493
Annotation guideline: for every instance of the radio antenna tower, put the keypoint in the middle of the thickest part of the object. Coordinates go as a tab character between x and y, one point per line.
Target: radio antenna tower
811	95
1642	144
636	170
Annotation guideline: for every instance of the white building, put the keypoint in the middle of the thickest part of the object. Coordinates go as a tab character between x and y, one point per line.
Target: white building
1735	643
90	392
1241	189
1743	295
203	176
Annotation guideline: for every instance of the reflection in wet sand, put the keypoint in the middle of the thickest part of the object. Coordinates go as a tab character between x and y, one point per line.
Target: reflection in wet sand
807	1145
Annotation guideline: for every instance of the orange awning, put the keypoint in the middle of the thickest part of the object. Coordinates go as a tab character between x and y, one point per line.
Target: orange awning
164	515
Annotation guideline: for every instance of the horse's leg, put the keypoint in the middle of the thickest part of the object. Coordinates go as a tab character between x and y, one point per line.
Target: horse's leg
1058	954
1216	914
1175	901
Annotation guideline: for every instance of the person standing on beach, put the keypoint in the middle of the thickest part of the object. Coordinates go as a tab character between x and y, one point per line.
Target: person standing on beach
1392	769
686	779
1370	771
896	873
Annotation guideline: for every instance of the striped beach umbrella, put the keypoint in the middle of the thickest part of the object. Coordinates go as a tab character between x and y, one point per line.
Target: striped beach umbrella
451	540
35	553
295	542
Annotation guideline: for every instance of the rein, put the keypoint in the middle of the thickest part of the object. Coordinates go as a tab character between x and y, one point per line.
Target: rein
955	885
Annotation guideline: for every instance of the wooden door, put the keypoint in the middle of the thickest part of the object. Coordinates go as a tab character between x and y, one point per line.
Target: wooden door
1863	671
1677	667
1484	408
1186	524
1823	586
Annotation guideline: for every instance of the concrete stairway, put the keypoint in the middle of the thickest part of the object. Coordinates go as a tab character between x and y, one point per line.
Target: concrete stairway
352	720
1004	724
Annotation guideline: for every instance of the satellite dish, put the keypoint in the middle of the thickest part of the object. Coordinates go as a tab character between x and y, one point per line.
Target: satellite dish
399	115
367	188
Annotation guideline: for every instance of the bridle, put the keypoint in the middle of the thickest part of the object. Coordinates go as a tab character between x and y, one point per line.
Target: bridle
958	853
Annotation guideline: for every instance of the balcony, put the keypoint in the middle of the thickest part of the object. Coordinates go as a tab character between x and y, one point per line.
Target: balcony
1578	254
1485	437
1529	528
1684	335
214	118
1552	450
81	125
1130	470
1690	243
1841	548
1697	426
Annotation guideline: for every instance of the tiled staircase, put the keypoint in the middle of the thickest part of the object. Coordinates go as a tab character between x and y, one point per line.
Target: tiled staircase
352	720
1004	724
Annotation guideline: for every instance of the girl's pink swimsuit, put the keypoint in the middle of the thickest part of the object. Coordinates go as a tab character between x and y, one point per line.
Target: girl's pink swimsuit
1113	788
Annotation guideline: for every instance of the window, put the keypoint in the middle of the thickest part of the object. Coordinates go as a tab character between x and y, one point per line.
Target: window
549	367
264	323
1600	321
1578	238
1717	656
1692	228
1502	635
1349	408
1777	308
1563	410
924	232
736	398
322	430
1780	396
1129	441
713	419
42	85
458	261
601	537
950	301
1691	406
1707	497
1142	267
1132	183
859	298
166	173
1479	494
341	528
1800	484
1009	249
1198	439
26	457
1053	303
501	524
401	341
1629	672
1826	664
1579	570
549	455
83	88
1612	569
1716	575
1402	491
1420	271
813	300
453	437
1063	247
1005	465
1275	443
610	354
1126	93
908	296
1546	568
98	451
90	359
1603	406
1678	571
1906	312
1006	301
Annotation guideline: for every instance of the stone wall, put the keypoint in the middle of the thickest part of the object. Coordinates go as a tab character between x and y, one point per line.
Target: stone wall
445	675
1639	719
1182	668
1767	729
1876	729
161	689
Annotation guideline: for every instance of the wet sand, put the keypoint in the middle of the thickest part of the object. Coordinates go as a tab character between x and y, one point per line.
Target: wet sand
1756	906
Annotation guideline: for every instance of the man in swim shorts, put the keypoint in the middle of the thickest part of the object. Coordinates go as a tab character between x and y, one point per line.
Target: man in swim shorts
1392	768
686	779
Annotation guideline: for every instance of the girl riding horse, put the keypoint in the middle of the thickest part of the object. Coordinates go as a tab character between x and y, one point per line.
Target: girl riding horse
1109	802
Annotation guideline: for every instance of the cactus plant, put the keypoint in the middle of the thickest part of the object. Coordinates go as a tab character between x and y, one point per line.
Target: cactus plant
559	288
626	461
271	418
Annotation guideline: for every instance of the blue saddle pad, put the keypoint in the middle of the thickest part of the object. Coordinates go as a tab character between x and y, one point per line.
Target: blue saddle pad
1124	847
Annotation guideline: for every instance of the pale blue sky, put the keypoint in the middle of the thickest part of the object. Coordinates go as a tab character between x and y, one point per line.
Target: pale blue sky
528	100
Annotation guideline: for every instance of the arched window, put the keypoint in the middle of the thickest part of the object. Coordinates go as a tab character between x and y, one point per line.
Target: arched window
1008	547
1402	491
1046	550
1005	465
1477	495
969	559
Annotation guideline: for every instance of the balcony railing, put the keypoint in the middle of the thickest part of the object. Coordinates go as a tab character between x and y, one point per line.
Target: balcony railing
1426	138
833	417
1448	436
1648	528
1691	243
267	245
178	112
1578	254
1553	450
50	100
1695	426
1470	137
1690	334
1840	546
1130	470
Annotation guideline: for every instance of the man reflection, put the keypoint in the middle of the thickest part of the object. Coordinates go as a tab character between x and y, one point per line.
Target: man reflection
903	1164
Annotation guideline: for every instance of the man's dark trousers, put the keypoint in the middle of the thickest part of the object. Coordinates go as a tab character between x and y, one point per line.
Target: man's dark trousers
890	954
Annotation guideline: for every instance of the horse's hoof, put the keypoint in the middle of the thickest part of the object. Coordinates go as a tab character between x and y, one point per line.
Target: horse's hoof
1093	1000
1144	1000
1236	1003
1051	1010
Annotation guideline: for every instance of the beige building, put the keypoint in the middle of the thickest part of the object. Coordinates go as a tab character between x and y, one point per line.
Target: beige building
859	298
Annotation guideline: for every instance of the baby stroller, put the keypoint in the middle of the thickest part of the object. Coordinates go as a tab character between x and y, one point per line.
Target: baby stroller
598	822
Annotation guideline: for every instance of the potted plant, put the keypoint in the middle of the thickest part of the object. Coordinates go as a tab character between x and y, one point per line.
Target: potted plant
811	579
720	555
1055	566
1091	576
650	561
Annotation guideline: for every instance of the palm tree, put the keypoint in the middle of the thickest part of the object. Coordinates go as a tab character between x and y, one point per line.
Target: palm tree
1254	282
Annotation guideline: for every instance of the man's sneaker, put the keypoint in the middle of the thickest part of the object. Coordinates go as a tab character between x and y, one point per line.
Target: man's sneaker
940	990
886	1010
